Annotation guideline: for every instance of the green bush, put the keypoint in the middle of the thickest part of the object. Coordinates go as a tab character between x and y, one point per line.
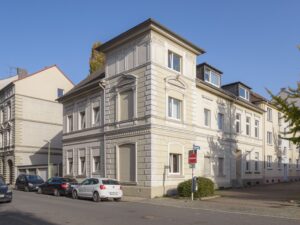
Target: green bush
205	188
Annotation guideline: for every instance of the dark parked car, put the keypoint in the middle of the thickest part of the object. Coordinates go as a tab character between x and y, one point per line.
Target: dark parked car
27	182
58	186
5	191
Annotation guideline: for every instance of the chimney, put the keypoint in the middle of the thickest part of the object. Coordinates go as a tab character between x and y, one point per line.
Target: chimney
21	73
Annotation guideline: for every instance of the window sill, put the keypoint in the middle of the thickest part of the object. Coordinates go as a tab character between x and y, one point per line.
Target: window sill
175	71
175	176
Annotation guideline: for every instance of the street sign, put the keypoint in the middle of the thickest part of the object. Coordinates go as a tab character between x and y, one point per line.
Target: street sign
192	157
196	147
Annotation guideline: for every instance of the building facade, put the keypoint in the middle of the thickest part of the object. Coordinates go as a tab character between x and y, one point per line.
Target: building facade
138	118
30	118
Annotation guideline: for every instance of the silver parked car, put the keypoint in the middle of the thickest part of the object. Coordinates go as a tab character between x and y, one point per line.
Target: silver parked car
97	189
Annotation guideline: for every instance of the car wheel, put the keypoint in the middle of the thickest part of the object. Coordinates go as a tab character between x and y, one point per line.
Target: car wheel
56	193
74	195
26	189
117	199
96	197
40	191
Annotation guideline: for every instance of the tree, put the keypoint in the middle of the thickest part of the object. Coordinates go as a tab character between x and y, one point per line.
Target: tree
289	104
97	59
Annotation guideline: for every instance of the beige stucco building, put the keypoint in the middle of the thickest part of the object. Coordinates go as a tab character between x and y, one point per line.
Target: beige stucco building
137	119
29	116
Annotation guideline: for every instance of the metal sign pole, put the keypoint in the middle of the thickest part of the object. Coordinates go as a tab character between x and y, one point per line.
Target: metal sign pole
192	196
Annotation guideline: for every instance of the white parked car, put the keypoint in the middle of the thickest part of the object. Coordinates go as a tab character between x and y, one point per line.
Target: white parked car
97	189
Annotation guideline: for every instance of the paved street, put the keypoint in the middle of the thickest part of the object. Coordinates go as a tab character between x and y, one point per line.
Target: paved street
31	208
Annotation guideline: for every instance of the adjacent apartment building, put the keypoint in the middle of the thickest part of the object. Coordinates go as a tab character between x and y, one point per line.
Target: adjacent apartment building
136	119
30	118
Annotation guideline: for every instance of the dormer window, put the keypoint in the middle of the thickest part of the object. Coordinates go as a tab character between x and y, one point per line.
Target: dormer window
212	78
174	61
244	93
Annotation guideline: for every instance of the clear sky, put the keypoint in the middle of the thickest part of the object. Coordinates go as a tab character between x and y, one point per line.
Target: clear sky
250	41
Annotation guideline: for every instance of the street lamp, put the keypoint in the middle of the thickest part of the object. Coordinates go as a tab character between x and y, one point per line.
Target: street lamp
49	169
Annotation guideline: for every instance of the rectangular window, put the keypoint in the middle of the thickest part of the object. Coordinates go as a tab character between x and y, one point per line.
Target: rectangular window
269	138
279	163
248	161
70	166
126	105
221	166
207	117
70	123
256	165
96	115
82	165
269	161
175	163
207	166
60	92
269	114
238	123
220	121
96	160
256	129
212	78
248	125
174	61
82	121
174	110
290	163
244	93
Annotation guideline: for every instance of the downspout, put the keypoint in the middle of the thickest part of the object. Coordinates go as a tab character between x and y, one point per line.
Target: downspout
102	85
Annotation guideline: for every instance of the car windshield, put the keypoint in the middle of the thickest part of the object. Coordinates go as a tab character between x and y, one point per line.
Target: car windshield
1	181
110	182
33	178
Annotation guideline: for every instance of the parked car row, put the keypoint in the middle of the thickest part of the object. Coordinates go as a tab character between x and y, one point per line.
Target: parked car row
91	188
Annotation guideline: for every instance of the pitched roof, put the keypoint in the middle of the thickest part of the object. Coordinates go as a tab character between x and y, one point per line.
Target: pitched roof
88	81
234	83
144	26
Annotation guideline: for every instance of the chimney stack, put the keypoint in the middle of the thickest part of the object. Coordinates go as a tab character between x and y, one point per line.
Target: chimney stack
21	73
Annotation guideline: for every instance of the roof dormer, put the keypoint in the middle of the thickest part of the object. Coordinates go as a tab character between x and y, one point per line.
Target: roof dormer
209	74
239	89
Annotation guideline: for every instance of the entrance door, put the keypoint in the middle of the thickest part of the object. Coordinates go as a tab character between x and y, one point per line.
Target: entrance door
238	167
127	163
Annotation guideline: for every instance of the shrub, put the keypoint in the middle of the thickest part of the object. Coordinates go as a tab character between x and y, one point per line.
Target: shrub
205	188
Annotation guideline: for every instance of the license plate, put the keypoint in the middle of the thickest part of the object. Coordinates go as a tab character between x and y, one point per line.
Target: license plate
1	196
113	193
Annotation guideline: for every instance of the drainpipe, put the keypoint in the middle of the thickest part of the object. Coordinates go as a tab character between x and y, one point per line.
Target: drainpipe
102	85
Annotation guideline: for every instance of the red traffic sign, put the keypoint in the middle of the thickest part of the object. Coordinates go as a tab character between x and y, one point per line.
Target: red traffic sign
192	157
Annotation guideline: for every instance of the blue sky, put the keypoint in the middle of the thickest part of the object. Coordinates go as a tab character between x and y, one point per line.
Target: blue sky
251	41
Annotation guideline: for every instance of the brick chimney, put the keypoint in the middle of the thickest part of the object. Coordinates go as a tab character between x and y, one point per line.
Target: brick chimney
21	73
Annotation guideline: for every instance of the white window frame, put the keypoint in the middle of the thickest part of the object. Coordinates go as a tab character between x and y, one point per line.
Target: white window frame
80	165
248	125
94	167
171	64
94	122
68	166
171	169
256	128
70	119
80	120
269	161
248	161
207	117
238	121
269	114
247	94
256	163
221	115
211	73
170	111
269	138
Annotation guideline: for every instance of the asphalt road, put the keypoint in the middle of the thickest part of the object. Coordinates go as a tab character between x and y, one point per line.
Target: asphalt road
31	209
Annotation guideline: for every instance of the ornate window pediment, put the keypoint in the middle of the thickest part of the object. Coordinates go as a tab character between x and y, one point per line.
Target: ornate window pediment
126	80
176	81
